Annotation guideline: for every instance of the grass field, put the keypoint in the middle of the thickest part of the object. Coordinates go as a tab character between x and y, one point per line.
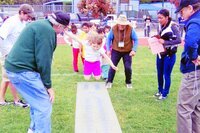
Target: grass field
137	110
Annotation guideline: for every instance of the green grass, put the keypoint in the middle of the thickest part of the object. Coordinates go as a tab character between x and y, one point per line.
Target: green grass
137	110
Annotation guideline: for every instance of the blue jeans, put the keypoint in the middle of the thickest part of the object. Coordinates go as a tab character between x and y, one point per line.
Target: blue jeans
31	88
164	70
127	60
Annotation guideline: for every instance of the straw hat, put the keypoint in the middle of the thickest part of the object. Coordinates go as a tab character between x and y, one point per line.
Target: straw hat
122	20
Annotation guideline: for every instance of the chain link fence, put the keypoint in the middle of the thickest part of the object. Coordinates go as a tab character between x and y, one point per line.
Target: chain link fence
42	10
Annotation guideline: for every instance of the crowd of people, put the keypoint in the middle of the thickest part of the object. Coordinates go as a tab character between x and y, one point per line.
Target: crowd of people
24	42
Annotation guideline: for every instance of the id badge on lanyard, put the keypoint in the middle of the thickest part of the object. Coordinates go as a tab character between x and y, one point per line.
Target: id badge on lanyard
121	44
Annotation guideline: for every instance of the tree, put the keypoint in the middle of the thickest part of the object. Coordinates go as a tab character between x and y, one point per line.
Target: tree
95	7
10	2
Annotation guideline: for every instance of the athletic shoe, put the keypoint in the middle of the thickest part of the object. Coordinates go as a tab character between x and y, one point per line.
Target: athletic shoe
30	130
76	71
129	86
105	79
162	98
157	94
108	85
22	104
4	103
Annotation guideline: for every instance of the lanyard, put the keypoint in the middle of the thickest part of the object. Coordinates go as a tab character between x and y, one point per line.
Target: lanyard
196	89
123	35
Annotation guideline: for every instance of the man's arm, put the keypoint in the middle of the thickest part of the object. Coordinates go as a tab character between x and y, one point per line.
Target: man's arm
135	40
109	40
191	42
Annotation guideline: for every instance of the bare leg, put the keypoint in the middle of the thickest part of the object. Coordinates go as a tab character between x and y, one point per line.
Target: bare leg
4	85
87	77
97	77
14	92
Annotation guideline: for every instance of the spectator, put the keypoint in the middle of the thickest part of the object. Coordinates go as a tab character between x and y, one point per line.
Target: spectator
28	66
75	48
104	63
181	22
188	104
83	36
147	26
9	32
170	38
107	30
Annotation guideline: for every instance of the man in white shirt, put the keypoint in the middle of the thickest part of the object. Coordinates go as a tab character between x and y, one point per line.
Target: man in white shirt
9	32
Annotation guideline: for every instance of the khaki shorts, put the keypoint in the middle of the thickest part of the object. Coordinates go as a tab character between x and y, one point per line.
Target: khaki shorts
3	70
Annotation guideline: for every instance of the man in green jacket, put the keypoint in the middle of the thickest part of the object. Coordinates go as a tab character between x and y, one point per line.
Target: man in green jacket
28	67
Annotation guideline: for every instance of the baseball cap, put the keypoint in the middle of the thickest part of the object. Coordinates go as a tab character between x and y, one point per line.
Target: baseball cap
62	18
185	3
27	9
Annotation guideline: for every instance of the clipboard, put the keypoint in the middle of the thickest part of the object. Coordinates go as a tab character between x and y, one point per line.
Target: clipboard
155	46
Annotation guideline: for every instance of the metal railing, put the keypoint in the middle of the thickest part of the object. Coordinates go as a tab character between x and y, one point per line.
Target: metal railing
42	10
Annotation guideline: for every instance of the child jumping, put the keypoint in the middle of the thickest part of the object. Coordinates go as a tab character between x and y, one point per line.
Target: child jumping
93	52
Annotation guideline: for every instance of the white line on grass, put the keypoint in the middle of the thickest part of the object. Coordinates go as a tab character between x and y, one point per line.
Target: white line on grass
80	74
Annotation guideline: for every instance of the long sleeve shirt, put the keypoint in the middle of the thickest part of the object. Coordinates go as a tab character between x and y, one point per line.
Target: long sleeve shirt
192	43
33	51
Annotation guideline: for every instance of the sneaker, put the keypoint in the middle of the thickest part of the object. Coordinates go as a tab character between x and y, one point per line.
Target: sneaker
129	86
108	85
157	94
4	103
76	71
105	79
30	130
20	103
161	97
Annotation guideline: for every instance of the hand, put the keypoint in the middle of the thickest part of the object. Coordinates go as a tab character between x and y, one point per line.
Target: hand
197	61
51	94
161	41
132	53
108	53
156	36
115	68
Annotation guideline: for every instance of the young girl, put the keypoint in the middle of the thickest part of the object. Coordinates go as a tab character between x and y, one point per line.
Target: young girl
93	52
75	48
